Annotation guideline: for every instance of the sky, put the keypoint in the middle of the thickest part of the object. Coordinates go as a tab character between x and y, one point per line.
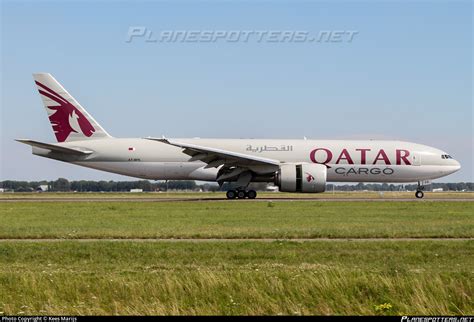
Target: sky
406	74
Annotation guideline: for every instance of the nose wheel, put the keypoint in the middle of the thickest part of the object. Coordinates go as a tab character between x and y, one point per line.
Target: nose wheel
419	191
241	194
419	194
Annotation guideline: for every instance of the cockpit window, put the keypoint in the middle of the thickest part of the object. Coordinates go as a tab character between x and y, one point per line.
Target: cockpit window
446	156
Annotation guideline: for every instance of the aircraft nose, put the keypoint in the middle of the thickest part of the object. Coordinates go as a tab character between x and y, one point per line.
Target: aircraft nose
457	165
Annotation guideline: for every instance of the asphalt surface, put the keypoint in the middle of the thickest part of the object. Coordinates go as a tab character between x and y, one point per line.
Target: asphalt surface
210	240
277	199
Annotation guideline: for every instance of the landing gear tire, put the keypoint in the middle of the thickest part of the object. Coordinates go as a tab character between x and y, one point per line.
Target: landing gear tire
419	194
419	191
251	194
241	194
231	194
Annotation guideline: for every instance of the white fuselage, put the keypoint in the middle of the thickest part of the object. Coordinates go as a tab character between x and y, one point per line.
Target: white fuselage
346	160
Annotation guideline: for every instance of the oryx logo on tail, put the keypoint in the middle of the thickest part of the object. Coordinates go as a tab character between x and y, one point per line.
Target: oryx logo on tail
66	118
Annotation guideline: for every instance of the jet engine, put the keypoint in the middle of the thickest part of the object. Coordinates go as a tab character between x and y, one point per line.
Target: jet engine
301	177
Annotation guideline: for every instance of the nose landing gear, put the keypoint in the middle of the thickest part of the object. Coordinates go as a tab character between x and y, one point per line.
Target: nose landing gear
419	194
241	194
419	191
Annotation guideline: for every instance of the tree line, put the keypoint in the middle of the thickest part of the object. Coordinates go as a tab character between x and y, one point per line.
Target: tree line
64	185
456	186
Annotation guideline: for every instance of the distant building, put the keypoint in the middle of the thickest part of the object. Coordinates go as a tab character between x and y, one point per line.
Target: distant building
42	188
136	190
438	190
2	190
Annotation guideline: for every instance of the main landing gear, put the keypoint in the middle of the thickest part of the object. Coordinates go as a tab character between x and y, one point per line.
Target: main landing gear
419	191
241	194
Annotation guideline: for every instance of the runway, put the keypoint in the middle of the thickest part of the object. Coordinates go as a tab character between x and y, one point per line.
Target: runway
235	240
264	199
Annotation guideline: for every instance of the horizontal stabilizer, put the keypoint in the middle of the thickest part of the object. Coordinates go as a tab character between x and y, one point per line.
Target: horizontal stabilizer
55	148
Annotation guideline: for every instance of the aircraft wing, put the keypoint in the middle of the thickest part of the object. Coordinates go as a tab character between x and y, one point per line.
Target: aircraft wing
55	148
217	157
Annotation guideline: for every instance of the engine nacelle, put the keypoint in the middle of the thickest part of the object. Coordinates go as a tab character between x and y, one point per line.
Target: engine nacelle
301	177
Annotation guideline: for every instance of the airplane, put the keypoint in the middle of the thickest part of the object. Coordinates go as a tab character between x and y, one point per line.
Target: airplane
293	165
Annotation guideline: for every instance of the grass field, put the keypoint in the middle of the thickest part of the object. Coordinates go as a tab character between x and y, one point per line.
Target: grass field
236	278
242	277
236	219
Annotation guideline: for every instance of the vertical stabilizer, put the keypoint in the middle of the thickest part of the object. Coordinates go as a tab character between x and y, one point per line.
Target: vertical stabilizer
70	121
